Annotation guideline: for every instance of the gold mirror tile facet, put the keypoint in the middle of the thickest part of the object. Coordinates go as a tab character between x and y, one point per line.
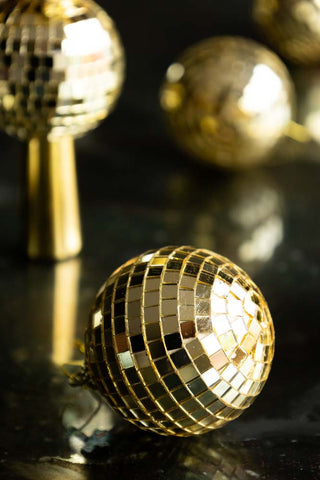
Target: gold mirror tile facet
188	329
204	325
169	347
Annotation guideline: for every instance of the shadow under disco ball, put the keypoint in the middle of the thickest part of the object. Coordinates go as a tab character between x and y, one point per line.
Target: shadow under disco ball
140	455
291	27
209	456
228	100
214	457
180	341
61	72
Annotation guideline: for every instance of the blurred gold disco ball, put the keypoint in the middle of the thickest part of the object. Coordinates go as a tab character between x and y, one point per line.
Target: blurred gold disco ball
292	27
228	101
61	67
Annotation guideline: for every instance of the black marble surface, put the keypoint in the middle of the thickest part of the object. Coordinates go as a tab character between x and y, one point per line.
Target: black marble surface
137	193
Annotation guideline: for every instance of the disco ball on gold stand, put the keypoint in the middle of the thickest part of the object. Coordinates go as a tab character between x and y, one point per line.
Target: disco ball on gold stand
61	72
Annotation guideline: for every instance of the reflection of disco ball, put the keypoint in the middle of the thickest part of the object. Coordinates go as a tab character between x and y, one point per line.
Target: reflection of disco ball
214	458
61	67
242	217
203	457
292	26
228	101
180	341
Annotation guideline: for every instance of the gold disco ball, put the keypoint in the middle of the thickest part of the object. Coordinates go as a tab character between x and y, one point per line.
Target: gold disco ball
61	72
292	27
61	67
180	341
228	101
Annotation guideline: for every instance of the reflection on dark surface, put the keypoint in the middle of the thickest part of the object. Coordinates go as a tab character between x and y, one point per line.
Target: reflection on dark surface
136	455
247	226
156	457
45	422
65	303
39	305
193	459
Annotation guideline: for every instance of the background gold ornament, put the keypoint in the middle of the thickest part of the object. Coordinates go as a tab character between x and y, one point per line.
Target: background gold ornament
180	341
291	27
61	72
228	101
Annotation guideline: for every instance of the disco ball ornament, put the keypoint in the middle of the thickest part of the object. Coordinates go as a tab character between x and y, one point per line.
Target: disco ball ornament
228	101
291	27
180	341
61	72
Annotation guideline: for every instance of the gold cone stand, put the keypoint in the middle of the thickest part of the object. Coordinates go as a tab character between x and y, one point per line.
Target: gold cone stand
51	207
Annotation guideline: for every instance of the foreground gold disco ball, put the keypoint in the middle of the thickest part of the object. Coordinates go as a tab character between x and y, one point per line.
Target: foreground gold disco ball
61	72
228	101
180	341
292	27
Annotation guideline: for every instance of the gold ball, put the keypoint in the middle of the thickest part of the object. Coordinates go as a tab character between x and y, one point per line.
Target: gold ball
180	341
292	27
61	67
228	101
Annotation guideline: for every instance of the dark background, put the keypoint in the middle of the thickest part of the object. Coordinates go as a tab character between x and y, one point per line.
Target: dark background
138	192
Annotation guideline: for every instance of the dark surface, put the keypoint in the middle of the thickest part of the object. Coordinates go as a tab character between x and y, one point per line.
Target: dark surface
138	193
